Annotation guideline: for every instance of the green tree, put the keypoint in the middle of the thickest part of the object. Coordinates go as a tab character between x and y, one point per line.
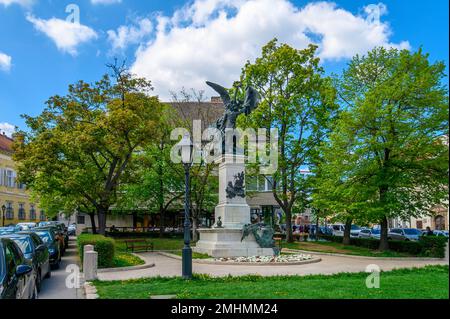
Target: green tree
82	144
297	99
391	143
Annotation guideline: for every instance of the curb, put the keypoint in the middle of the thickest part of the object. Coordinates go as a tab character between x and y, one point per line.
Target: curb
145	266
90	291
287	250
213	262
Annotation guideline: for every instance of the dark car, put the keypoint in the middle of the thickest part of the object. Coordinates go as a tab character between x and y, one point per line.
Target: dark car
17	278
57	234
34	250
52	244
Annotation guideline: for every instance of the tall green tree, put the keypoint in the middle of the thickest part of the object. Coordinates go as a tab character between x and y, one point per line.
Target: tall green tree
298	100
392	140
82	144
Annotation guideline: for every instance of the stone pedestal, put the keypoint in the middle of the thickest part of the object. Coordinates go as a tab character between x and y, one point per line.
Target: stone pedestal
234	213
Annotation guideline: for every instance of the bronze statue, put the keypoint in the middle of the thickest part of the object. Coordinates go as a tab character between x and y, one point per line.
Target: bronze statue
235	107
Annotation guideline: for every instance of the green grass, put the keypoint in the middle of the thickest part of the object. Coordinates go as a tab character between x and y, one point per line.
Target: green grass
159	243
430	282
122	259
339	248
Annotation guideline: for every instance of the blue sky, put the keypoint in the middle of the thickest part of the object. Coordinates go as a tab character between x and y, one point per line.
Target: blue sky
178	43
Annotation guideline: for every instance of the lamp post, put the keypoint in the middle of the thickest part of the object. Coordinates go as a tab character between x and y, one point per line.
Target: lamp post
186	158
3	215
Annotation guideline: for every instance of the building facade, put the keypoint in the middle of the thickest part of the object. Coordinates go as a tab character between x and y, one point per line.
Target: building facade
13	195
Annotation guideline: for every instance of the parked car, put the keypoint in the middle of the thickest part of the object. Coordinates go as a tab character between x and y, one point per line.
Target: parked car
404	234
324	230
354	231
35	250
52	244
24	226
6	230
338	229
72	230
17	278
58	235
369	233
440	233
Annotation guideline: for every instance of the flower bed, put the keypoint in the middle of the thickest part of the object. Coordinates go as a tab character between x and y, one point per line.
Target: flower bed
267	259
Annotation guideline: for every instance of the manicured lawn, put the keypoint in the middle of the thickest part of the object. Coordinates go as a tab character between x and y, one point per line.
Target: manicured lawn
159	243
339	248
122	259
427	282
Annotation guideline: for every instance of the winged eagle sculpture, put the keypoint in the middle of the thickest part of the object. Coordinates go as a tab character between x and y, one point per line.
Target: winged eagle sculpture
234	107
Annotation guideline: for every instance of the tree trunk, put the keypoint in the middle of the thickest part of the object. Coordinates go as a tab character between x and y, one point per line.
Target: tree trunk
316	234
384	244
161	223
101	213
194	229
348	227
289	237
93	226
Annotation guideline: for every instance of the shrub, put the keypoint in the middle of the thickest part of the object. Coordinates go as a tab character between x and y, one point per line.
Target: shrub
427	246
105	247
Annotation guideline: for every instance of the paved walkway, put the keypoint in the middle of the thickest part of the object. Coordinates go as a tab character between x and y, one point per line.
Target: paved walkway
55	287
167	267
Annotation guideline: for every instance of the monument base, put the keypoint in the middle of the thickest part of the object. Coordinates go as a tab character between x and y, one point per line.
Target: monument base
226	242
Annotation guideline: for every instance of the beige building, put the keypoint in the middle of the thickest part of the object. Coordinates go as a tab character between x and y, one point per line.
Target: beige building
15	204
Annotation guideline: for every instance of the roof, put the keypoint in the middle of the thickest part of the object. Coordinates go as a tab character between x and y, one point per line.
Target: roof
6	143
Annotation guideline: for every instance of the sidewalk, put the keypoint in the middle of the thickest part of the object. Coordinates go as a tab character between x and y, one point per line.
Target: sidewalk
55	287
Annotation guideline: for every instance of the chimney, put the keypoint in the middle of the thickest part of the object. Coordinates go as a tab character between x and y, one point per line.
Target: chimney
216	99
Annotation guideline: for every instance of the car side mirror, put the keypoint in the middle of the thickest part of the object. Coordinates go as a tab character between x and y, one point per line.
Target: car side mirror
22	270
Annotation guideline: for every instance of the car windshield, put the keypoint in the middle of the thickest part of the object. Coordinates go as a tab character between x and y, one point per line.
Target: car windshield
24	244
45	236
412	231
354	227
375	231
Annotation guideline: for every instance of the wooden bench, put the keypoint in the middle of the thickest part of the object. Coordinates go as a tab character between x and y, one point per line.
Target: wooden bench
138	245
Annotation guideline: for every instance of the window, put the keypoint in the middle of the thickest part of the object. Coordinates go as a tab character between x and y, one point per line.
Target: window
251	183
32	212
10	178
42	216
9	260
21	211
81	219
9	210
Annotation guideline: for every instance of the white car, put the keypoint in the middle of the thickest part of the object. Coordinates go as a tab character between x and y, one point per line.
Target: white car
25	226
441	232
369	233
338	229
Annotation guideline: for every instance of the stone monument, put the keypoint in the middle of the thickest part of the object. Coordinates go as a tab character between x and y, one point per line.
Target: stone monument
232	235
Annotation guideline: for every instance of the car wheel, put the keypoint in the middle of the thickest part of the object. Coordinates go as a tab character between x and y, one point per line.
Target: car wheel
48	274
38	281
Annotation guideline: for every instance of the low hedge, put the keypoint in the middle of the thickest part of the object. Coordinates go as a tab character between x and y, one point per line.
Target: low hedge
105	247
120	234
427	246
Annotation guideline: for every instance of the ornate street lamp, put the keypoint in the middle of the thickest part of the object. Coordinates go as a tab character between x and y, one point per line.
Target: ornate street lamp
186	158
3	218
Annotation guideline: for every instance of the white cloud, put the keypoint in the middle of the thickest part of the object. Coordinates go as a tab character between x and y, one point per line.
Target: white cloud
5	62
7	128
105	1
126	35
66	35
212	39
23	3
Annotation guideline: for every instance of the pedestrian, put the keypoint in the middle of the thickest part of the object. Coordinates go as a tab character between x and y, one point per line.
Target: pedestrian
429	232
